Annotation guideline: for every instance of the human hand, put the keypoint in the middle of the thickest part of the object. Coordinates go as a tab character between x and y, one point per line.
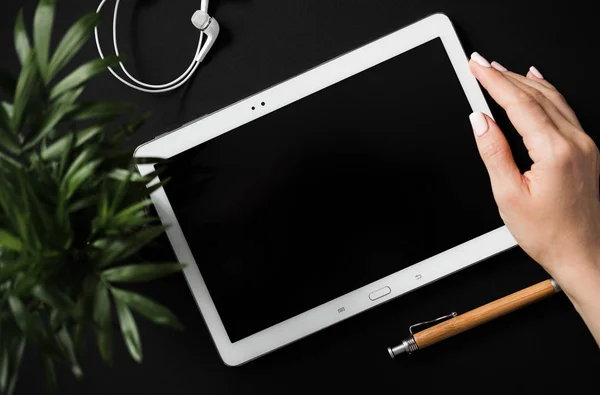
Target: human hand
553	209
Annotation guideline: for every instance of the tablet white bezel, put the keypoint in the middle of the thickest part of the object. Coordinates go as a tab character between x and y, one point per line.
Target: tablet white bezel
318	78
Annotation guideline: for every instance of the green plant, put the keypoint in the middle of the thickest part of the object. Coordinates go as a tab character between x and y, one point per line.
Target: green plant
71	209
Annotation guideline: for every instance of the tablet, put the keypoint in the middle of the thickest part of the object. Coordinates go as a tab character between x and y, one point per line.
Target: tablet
330	193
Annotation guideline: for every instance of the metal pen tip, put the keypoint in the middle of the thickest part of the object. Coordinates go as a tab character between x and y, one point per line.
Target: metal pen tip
399	349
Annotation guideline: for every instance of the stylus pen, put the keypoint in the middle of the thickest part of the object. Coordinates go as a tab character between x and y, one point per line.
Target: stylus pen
461	323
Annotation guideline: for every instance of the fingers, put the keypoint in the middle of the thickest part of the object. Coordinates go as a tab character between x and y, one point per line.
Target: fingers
497	156
554	113
533	74
524	111
535	81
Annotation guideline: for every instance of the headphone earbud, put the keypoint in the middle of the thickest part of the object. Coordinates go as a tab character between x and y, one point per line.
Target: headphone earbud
209	26
201	19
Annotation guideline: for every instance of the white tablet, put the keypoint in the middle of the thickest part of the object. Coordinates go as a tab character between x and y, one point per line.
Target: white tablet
330	193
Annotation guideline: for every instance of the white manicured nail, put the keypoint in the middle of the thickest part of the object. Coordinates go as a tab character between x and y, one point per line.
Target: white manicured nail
536	72
499	67
479	123
480	60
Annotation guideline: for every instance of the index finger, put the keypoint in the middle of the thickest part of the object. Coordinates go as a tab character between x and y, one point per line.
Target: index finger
525	113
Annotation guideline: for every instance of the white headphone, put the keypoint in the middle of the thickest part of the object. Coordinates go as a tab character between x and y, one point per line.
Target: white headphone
204	22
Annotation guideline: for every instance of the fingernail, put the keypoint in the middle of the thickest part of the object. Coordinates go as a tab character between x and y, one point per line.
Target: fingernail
536	72
479	123
480	59
499	67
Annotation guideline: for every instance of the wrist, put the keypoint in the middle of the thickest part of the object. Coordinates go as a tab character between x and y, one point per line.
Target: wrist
579	278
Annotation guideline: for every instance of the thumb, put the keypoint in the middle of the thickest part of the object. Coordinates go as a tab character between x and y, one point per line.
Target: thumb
497	156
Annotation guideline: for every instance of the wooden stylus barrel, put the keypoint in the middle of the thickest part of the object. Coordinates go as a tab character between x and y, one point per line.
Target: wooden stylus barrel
485	313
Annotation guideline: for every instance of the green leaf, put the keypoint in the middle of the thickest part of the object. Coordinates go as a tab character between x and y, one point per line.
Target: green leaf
22	45
72	42
104	341
17	209
64	160
11	354
109	250
10	241
150	309
30	193
42	31
65	340
31	324
22	286
101	312
17	358
8	108
5	366
57	318
124	216
82	74
54	298
102	317
141	272
9	161
128	129
54	151
27	84
103	205
119	194
80	170
8	271
155	187
141	192
5	118
20	312
146	179
102	110
122	175
129	330
115	228
49	374
26	321
7	82
118	249
58	110
82	203
84	157
9	142
6	113
85	135
80	176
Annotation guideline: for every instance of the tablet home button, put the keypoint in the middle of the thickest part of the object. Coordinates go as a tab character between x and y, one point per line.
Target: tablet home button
379	293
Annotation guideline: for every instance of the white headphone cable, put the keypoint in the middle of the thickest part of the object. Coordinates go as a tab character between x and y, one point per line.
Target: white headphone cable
208	26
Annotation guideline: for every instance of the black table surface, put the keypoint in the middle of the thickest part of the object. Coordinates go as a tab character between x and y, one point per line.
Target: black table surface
543	348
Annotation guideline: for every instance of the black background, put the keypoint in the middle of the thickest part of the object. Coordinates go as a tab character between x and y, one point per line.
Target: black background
544	348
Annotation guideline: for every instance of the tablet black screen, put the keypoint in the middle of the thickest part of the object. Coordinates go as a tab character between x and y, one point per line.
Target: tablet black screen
334	191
